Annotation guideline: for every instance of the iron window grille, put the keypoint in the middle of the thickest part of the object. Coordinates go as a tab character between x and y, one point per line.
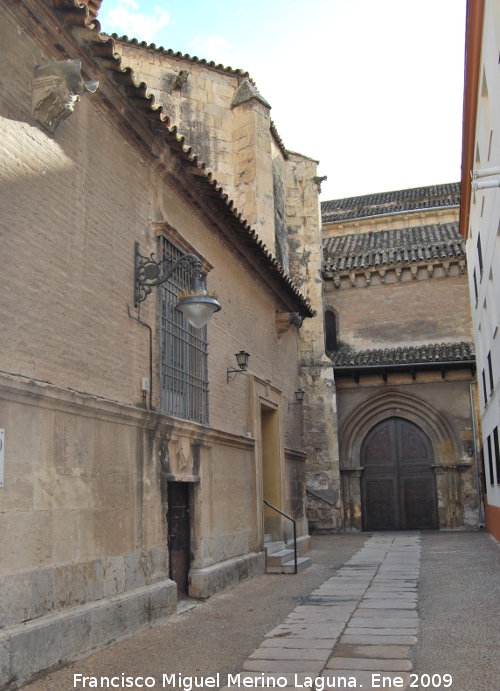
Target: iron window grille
184	350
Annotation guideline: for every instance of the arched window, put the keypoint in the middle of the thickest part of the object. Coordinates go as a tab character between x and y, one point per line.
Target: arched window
330	332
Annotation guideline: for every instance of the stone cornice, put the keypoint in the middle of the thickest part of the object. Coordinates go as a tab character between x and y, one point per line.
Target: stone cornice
403	273
26	391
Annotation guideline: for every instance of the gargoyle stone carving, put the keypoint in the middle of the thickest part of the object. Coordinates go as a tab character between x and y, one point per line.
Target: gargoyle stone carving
57	88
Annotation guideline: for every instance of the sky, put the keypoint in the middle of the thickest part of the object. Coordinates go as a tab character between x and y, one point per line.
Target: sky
371	88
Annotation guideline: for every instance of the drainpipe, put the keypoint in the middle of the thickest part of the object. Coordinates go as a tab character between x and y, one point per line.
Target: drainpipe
478	485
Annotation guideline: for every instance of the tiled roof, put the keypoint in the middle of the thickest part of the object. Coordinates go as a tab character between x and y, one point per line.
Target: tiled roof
386	247
408	355
399	201
104	47
181	56
278	140
80	12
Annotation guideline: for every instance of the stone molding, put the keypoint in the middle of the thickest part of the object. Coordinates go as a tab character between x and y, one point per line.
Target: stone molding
394	403
22	390
403	273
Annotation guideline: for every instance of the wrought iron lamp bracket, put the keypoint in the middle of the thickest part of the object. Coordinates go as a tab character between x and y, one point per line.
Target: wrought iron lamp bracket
150	273
233	372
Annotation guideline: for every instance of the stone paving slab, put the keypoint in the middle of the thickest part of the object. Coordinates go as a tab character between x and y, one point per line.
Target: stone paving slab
290	654
369	679
382	640
386	603
298	643
373	651
284	666
369	664
382	631
370	623
376	613
359	624
307	631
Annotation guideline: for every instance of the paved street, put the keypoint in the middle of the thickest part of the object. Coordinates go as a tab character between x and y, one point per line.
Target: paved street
392	604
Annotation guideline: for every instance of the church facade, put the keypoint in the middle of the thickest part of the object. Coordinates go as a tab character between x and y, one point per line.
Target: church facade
398	331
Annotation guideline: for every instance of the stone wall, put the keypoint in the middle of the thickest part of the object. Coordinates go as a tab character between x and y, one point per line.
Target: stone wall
84	502
398	313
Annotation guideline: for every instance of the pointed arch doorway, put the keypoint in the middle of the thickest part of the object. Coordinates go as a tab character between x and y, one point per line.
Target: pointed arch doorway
398	484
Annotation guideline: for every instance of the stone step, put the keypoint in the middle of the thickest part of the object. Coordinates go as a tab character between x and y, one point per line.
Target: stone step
289	567
279	558
268	537
274	546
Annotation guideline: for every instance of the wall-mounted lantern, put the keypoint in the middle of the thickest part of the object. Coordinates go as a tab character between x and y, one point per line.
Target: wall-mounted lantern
197	305
242	360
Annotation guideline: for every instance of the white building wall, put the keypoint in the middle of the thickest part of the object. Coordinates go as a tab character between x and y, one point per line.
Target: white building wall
484	274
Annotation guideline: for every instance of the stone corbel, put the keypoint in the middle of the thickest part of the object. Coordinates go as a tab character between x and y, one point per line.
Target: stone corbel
399	273
368	277
446	267
461	266
56	89
414	271
381	273
284	321
352	277
336	281
430	270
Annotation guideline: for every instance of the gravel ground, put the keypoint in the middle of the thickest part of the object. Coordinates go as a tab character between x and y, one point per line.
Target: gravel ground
459	603
217	635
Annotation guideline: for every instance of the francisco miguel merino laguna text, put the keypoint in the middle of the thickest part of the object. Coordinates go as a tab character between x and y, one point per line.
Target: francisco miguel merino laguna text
233	680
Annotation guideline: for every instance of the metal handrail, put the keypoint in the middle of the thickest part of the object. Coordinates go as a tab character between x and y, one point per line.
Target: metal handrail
294	530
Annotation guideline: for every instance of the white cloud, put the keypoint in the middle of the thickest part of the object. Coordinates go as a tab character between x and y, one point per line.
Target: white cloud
240	12
214	47
125	18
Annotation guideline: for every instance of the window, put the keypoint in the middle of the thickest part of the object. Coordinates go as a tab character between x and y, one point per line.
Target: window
485	393
330	332
475	285
497	452
480	255
490	461
490	369
184	374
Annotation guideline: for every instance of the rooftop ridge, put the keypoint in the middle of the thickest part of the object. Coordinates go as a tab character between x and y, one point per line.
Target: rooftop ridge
429	243
460	351
219	67
395	201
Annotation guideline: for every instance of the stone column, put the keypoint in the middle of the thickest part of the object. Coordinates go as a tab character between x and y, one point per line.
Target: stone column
303	219
252	161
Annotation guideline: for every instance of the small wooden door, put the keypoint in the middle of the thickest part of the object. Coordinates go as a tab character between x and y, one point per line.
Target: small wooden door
398	483
179	535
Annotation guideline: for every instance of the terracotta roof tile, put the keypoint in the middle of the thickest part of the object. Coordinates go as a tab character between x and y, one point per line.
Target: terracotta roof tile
432	353
385	247
398	201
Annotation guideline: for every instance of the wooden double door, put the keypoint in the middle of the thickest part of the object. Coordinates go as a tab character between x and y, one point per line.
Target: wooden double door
398	484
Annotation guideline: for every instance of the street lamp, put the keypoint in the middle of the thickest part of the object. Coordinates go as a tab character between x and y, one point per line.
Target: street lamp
242	360
197	304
